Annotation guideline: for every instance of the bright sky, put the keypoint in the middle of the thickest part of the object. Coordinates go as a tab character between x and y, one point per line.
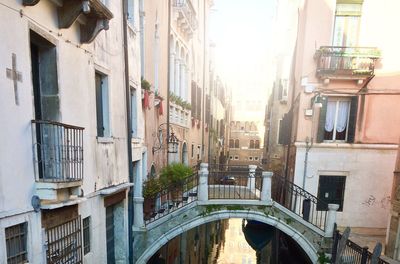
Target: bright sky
242	31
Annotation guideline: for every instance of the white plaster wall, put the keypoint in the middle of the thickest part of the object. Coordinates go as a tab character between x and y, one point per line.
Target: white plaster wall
105	164
369	171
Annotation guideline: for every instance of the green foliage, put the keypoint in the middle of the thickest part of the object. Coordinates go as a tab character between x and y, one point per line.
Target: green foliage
179	101
174	173
145	84
323	258
151	187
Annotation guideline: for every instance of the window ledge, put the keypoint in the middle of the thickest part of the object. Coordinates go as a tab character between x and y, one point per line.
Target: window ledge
105	140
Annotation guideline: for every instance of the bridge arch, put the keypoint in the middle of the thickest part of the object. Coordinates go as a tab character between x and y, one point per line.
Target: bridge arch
198	220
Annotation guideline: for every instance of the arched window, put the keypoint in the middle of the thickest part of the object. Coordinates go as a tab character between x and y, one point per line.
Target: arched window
236	143
153	171
251	144
231	143
257	144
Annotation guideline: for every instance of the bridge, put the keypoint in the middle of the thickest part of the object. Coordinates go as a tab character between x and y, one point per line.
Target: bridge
222	192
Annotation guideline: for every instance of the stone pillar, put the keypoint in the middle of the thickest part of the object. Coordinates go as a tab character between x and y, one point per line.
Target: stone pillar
203	182
266	186
331	219
177	76
251	181
172	72
181	79
138	212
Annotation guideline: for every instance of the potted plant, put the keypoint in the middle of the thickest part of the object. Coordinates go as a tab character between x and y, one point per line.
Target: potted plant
151	187
172	177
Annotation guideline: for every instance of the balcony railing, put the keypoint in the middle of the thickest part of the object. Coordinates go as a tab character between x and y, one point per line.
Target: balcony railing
346	62
188	12
58	151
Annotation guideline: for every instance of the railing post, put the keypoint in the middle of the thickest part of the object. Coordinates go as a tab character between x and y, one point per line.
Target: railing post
138	212
364	256
251	181
266	186
331	220
203	182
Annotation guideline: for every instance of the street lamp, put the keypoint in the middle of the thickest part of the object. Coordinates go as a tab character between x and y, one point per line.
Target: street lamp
172	142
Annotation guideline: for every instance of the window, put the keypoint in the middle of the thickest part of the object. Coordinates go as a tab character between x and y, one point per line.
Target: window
131	12
236	143
257	144
255	158
16	237
236	157
251	144
231	157
280	134
331	190
198	152
86	235
283	90
102	110
133	112
336	121
347	22
192	151
231	143
250	158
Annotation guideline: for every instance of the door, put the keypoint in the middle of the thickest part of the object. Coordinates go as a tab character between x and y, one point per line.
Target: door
110	234
47	107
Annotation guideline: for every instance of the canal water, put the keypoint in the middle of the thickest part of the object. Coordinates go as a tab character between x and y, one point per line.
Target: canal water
229	242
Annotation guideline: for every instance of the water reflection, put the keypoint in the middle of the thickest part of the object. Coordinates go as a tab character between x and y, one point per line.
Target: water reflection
231	241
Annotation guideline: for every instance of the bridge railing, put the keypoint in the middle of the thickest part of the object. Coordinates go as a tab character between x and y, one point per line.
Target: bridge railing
234	182
299	201
171	198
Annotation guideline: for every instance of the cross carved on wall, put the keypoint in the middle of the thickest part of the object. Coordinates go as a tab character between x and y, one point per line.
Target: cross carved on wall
15	76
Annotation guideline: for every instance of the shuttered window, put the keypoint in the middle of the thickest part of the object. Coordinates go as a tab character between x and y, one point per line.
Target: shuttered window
331	190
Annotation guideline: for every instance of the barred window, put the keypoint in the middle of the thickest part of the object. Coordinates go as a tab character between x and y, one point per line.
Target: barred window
16	237
86	235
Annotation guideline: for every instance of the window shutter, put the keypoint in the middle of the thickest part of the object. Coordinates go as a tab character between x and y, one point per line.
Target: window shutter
280	88
321	123
352	119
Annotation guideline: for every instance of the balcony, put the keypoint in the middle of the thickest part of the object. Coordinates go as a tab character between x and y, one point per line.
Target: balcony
58	156
354	63
186	15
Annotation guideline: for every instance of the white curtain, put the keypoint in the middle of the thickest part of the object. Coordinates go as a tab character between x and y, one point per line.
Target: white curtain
343	114
330	116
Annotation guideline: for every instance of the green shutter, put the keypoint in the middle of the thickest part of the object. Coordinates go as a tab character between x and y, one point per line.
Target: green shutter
352	119
321	122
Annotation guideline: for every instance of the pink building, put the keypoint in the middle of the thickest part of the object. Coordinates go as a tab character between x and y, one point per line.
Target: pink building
344	101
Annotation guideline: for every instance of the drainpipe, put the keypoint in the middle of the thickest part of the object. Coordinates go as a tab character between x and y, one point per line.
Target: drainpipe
308	147
204	80
169	70
128	128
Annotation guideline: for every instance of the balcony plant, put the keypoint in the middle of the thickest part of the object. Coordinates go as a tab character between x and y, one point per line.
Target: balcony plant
151	188
145	84
172	177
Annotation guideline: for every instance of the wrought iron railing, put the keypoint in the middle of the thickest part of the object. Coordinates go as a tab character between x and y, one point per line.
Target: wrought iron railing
58	151
171	198
346	61
299	201
234	183
188	11
352	252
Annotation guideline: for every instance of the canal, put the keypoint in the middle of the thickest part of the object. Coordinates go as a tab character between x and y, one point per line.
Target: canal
231	241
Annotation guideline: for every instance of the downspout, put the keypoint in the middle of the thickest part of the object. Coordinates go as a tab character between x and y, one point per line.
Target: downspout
204	80
128	129
169	71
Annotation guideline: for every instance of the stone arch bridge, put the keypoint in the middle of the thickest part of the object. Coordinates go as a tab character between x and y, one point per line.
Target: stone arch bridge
231	192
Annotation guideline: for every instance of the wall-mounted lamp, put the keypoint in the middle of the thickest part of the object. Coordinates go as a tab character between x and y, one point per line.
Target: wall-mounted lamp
172	141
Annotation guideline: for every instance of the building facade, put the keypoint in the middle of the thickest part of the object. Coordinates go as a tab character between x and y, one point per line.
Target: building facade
244	144
68	84
344	92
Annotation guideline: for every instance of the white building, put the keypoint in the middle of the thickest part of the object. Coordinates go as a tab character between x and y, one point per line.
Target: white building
64	160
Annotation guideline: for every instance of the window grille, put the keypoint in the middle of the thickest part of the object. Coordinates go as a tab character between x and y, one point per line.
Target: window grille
16	243
86	235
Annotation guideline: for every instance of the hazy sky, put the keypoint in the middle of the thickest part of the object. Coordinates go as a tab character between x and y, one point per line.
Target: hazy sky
242	31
